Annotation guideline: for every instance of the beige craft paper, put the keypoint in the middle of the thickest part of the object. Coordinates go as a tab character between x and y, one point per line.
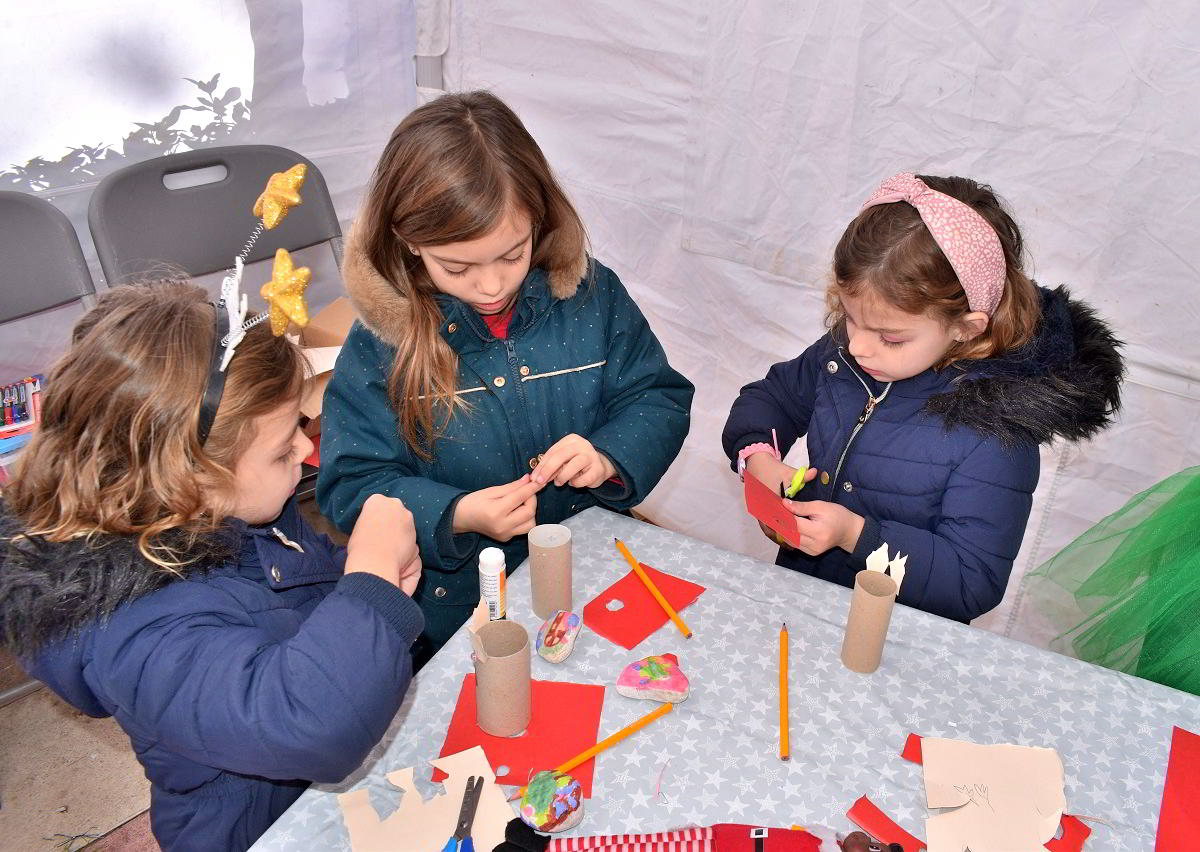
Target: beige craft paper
503	680
425	826
1007	798
867	624
550	569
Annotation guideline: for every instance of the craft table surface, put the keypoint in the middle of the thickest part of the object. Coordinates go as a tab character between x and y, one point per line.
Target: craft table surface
717	752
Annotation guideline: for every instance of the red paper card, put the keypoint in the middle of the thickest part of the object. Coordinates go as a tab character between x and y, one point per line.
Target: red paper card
565	722
879	825
639	614
767	506
1179	817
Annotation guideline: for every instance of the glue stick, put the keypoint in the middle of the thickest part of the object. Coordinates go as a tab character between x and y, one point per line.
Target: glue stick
491	581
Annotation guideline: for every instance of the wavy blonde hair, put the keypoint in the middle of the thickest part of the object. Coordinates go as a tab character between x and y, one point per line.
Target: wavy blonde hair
117	450
888	251
451	171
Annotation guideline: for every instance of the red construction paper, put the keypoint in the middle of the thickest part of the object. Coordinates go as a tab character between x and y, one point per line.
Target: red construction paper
564	723
879	825
767	506
640	614
1074	831
1179	816
912	748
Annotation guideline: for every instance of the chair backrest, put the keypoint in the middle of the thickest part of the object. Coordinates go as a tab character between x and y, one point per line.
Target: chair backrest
138	224
41	262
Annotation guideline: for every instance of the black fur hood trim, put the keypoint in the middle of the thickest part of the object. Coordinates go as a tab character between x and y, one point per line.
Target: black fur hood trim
50	589
1064	383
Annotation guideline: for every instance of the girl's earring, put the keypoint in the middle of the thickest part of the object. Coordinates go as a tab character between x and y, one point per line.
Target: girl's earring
416	251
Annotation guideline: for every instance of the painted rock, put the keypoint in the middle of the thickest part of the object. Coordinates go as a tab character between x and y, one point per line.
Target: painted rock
658	678
556	639
552	801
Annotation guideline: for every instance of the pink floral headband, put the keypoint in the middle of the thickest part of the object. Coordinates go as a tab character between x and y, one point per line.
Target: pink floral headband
964	236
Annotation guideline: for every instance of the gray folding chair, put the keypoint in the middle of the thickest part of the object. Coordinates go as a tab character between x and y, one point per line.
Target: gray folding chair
139	225
41	262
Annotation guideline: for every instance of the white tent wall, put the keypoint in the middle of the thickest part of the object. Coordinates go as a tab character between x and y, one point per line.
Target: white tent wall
326	78
716	149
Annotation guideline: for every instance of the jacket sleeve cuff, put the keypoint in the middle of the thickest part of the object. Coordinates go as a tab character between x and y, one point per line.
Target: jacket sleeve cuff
868	542
454	548
397	608
617	490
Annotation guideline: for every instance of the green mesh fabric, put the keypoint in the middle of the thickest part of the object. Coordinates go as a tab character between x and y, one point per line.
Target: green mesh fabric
1128	590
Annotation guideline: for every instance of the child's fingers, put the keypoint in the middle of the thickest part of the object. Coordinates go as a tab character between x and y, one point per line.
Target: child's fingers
802	509
571	469
810	474
518	496
508	487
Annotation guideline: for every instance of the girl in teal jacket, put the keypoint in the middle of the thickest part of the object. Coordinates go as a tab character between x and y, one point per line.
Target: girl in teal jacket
499	378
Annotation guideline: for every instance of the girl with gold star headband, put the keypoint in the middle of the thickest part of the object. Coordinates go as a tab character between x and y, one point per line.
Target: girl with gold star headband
159	571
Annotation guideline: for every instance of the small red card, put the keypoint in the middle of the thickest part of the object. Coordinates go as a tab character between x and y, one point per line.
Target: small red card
767	506
565	722
639	614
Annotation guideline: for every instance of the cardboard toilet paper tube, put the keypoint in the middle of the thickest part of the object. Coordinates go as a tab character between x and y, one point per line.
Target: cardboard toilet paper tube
503	690
867	624
550	568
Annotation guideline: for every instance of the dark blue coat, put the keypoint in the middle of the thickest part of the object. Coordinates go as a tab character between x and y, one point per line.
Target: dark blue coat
943	467
577	359
238	685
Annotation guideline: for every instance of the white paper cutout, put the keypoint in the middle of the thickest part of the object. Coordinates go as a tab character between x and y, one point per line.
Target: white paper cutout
425	826
1007	798
878	561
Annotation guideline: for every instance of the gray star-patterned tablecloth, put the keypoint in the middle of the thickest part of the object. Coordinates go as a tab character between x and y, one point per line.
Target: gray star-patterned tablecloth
715	758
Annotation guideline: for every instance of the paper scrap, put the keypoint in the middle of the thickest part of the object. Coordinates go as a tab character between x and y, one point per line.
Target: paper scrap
418	825
565	721
1073	830
878	561
639	614
866	815
1006	798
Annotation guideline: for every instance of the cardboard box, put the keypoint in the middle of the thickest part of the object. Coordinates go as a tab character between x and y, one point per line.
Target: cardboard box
321	341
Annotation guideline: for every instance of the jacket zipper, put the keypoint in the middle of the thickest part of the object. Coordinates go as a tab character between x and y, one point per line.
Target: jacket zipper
872	402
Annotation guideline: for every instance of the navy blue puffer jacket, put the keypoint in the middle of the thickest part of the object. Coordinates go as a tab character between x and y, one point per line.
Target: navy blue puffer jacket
264	669
942	466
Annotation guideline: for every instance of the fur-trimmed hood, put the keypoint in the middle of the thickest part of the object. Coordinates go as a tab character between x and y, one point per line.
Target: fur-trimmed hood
384	310
1066	382
49	589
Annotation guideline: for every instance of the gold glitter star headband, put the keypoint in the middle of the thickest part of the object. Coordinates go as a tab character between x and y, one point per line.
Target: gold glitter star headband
284	293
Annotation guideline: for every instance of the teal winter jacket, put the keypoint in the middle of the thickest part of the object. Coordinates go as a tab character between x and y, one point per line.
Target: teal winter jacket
578	359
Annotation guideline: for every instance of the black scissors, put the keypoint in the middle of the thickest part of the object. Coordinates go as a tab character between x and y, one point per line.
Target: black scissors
461	841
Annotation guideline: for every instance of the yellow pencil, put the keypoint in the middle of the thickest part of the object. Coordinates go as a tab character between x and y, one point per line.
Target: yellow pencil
785	746
658	596
631	728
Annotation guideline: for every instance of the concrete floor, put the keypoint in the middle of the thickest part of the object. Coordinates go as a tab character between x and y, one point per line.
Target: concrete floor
64	775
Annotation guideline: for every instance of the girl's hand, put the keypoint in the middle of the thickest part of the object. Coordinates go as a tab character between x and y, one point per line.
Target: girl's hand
825	525
771	472
574	461
410	576
499	512
384	543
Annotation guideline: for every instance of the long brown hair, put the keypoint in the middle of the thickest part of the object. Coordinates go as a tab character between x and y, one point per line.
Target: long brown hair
117	448
451	171
888	250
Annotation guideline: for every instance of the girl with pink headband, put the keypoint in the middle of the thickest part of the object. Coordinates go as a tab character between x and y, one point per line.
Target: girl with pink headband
944	369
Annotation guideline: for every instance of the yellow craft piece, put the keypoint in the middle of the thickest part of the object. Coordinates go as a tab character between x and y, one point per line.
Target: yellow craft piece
282	193
285	293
